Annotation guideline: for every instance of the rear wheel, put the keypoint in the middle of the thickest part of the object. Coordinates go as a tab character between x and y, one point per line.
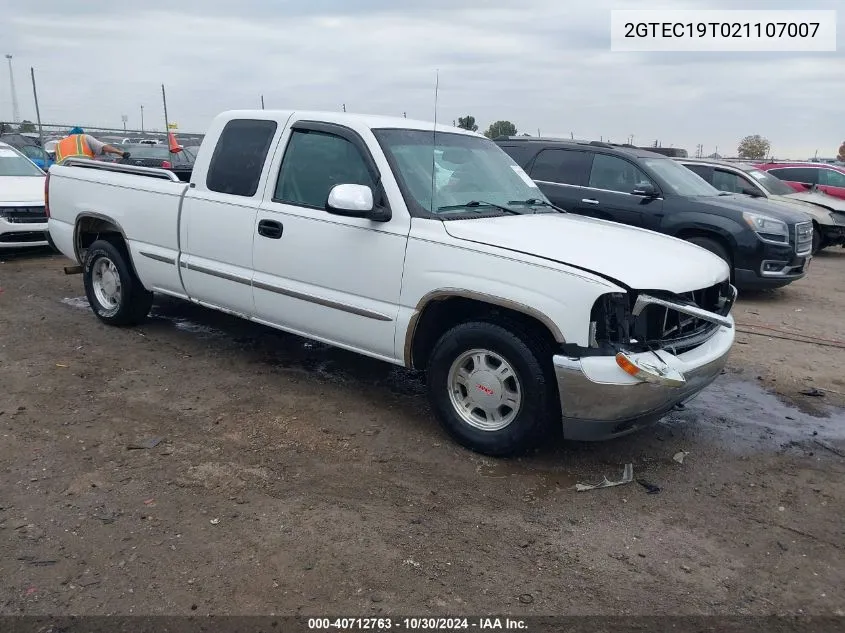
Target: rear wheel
492	388
113	290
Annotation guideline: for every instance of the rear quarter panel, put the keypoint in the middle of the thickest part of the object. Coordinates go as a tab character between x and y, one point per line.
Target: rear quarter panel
146	211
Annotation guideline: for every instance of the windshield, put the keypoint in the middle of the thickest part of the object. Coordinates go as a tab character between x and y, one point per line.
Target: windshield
679	179
13	164
33	152
467	169
770	183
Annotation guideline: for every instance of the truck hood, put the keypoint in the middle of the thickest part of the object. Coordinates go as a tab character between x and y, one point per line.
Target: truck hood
819	199
22	190
634	257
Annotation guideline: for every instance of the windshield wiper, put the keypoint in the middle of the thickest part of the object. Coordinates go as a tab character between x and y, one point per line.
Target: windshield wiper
536	202
725	193
479	203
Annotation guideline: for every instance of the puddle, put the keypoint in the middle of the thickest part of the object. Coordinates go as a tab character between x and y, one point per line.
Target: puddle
748	413
190	326
545	479
77	302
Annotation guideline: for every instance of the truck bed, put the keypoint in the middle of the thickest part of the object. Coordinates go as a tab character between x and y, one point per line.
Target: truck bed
143	202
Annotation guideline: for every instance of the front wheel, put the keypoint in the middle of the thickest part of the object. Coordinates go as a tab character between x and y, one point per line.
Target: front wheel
113	290
817	240
492	388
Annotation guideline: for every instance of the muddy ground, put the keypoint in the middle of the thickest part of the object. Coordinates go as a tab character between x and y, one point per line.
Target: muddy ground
294	478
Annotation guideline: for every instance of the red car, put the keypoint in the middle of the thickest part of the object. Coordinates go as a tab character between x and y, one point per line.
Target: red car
805	176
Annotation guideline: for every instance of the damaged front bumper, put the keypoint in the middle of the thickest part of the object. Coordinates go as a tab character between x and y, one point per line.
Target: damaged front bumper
601	400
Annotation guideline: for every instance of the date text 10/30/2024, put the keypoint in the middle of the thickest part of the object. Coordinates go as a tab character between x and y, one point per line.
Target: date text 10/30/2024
417	624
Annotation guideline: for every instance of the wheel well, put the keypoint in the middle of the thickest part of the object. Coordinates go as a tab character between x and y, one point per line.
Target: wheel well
688	233
90	229
442	314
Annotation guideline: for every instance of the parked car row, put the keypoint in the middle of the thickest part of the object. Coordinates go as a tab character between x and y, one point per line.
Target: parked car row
827	212
766	245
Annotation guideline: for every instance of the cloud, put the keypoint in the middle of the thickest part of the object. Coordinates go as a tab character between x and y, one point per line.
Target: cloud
544	64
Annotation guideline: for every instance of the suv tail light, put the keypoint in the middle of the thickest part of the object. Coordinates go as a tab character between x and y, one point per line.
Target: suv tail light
47	195
166	164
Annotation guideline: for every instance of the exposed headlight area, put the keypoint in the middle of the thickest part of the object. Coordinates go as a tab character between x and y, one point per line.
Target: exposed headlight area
767	228
653	320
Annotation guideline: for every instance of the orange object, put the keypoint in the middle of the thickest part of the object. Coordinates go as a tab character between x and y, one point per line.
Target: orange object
627	365
172	144
73	145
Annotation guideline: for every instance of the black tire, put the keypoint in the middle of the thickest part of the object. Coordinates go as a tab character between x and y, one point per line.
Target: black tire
714	247
817	240
133	302
530	360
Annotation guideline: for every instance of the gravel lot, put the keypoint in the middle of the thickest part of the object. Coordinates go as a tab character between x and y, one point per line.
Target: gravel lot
298	479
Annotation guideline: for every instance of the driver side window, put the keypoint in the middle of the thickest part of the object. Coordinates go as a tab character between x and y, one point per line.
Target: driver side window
616	174
726	181
314	163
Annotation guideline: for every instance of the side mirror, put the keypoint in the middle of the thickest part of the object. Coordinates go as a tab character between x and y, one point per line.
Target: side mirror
646	190
750	191
355	201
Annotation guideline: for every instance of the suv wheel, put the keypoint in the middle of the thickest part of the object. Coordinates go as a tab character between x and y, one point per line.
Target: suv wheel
714	247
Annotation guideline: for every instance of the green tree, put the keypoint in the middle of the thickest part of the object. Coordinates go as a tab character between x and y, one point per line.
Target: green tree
467	123
754	147
27	126
500	128
842	152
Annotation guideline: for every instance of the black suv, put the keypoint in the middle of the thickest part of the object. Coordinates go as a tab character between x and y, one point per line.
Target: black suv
766	245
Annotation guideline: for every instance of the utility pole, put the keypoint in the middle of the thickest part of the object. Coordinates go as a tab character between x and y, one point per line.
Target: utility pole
262	102
142	119
166	120
16	115
37	110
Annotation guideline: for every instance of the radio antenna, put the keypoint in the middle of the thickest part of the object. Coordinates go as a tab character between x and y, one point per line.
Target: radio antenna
434	138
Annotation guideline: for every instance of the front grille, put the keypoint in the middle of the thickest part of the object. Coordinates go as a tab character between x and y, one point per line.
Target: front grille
803	238
659	327
23	215
23	236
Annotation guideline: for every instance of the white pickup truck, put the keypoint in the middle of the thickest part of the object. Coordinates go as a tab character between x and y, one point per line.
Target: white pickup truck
420	246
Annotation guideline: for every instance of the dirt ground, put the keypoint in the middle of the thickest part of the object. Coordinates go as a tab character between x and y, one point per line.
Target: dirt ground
297	479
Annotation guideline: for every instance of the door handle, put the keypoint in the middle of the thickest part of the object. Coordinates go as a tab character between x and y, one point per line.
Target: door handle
271	229
590	201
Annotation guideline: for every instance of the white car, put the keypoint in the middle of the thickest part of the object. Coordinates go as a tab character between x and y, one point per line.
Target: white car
334	227
23	221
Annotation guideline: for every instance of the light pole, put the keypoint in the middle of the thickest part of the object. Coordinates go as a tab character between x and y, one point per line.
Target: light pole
142	119
16	116
124	118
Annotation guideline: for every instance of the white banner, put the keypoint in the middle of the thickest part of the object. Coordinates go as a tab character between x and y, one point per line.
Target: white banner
719	31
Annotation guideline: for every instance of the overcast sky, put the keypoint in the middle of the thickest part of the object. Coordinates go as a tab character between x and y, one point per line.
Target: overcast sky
543	64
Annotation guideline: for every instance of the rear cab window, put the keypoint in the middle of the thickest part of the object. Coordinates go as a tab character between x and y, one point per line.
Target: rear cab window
239	156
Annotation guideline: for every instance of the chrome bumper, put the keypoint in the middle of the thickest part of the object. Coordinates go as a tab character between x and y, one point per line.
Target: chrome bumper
600	401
